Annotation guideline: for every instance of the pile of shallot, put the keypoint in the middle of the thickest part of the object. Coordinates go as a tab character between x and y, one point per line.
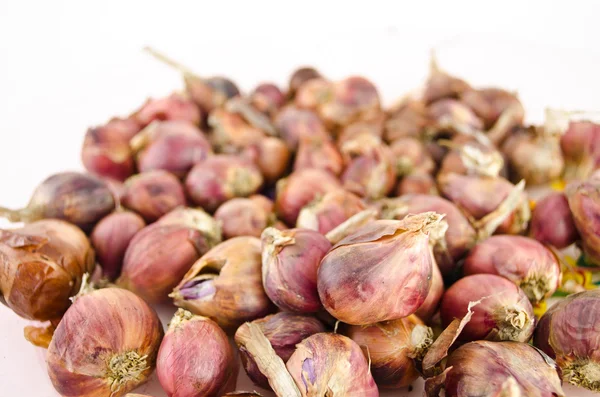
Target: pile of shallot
330	245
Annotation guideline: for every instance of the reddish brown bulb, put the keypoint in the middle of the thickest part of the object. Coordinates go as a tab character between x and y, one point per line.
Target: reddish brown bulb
329	211
290	259
454	116
220	178
106	150
81	199
318	153
299	77
441	85
152	194
580	145
584	202
161	254
293	123
552	222
267	98
409	119
411	156
173	146
174	107
299	189
372	127
417	183
271	155
245	216
230	132
490	103
111	237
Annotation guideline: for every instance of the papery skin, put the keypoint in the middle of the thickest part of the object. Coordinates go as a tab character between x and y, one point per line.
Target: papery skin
552	222
160	254
100	325
533	156
369	171
353	98
225	284
441	85
111	237
479	196
152	194
584	202
299	189
78	198
294	123
318	153
411	156
245	216
459	237
173	146
290	259
313	94
301	76
330	210
195	358
332	365
373	127
106	151
453	115
490	369
173	107
41	266
410	119
356	277
490	103
391	347
430	306
568	332
231	132
271	155
503	313
284	330
522	260
220	178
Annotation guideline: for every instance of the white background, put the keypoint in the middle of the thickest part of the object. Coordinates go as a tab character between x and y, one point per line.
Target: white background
66	65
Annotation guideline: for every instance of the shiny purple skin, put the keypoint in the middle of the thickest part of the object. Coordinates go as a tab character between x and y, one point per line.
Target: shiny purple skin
495	369
327	364
220	178
290	260
173	146
522	260
552	222
504	312
381	272
111	237
568	332
152	194
284	330
299	189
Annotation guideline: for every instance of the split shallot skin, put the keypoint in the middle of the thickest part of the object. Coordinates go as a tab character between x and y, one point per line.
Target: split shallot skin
331	364
284	331
355	277
195	358
522	260
42	265
568	332
491	369
105	345
503	312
